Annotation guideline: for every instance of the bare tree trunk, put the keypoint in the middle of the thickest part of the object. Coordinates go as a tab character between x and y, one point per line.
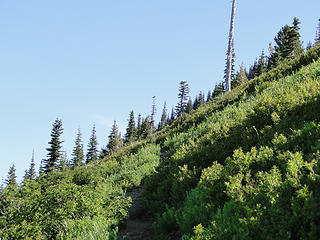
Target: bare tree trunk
230	48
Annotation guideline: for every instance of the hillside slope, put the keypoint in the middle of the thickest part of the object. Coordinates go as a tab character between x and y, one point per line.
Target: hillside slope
243	166
248	170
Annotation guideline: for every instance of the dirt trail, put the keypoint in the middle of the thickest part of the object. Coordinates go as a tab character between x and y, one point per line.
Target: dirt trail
139	225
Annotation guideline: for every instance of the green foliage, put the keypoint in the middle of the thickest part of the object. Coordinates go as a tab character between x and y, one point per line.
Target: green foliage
86	202
244	168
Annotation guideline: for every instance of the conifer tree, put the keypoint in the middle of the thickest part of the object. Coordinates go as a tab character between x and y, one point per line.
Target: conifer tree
41	167
145	128
11	181
309	45
164	117
209	95
288	44
189	106
198	101
183	97
241	77
92	151
262	65
131	129
218	89
172	116
54	150
30	174
295	41
63	163
317	39
138	131
115	141
78	155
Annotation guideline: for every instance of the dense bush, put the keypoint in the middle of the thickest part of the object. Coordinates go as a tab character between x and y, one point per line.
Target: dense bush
87	202
264	151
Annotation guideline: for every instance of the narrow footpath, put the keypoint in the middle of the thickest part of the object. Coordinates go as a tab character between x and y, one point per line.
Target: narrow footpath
139	225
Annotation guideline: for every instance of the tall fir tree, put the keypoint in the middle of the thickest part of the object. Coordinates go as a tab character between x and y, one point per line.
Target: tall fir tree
183	97
55	146
288	44
317	39
92	151
164	117
115	142
11	181
209	95
218	89
30	173
131	129
63	162
241	77
146	130
139	123
78	155
199	100
189	106
171	117
262	65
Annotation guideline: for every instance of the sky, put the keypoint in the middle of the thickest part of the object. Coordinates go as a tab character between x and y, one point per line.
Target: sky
92	62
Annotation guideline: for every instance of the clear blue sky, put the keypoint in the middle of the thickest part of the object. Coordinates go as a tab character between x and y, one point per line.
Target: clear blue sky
94	61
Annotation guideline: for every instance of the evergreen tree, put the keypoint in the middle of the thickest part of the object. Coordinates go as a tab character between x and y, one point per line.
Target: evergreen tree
11	181
189	106
172	116
41	167
54	150
63	163
78	155
295	41
198	101
262	65
241	77
145	128
288	44
164	117
309	45
209	95
153	113
138	131
183	96
253	71
218	89
115	142
30	174
92	152
131	129
317	39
